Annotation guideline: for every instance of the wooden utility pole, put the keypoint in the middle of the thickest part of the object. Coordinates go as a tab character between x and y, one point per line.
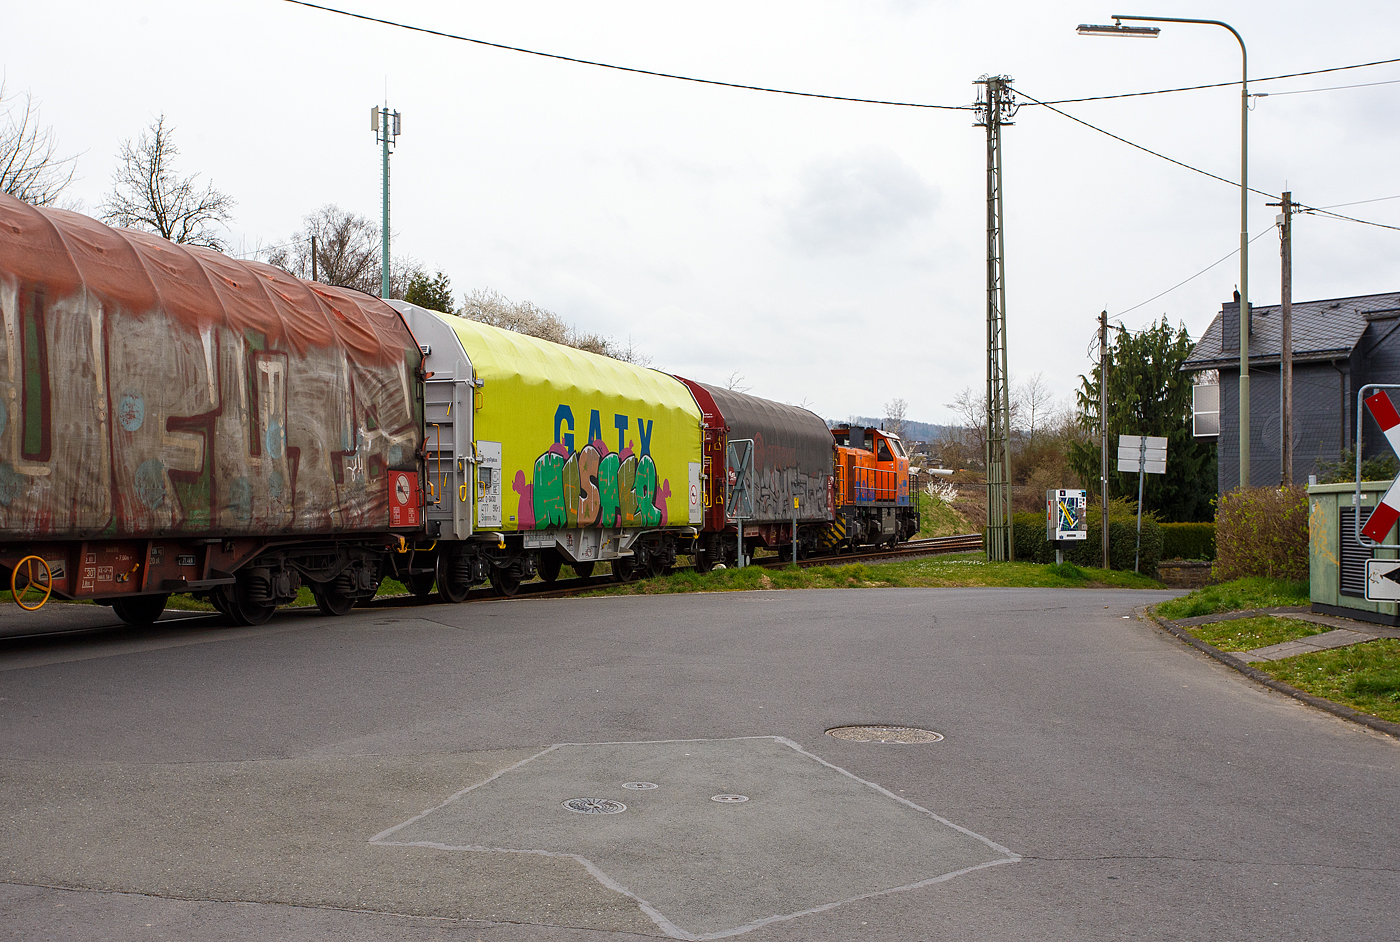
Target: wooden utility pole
1285	221
1103	431
313	259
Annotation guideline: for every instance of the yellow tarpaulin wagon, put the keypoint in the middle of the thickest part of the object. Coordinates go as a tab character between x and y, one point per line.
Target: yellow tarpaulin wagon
540	455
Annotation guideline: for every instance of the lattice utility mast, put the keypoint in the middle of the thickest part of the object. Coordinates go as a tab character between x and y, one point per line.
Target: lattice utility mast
996	105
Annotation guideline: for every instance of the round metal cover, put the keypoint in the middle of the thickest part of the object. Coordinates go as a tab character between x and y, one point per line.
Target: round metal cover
595	806
640	786
730	799
905	735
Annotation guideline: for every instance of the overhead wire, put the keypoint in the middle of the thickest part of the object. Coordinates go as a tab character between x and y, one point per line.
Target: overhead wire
624	68
872	101
1330	88
1266	78
1378	199
443	34
1186	166
1198	274
1147	150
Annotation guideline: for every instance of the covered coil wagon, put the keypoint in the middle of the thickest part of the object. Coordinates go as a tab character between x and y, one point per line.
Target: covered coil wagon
788	469
172	419
540	455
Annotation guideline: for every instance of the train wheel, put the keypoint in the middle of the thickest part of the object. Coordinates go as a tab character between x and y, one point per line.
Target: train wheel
450	589
331	602
505	585
703	562
140	610
656	564
420	584
550	564
584	570
624	569
240	610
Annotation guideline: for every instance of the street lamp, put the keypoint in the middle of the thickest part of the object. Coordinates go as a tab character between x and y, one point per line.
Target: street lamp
1150	32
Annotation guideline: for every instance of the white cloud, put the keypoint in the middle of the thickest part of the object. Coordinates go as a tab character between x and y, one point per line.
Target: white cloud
856	203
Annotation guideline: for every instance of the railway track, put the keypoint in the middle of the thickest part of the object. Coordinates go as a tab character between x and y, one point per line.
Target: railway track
933	546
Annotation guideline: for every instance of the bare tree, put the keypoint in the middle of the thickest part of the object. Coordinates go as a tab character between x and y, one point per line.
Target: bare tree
1035	401
30	168
894	416
348	254
148	194
732	383
525	317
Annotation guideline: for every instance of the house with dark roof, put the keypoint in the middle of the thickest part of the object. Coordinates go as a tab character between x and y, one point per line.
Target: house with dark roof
1339	345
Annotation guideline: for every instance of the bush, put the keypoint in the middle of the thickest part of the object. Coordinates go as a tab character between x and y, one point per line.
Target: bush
1032	547
1188	541
1343	471
1262	531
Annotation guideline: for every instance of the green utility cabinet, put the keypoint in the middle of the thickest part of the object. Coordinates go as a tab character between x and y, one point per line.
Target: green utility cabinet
1336	562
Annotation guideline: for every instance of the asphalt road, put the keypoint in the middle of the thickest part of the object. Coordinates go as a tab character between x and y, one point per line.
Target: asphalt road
402	773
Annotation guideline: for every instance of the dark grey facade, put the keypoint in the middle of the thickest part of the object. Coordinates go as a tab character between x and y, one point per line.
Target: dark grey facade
1339	345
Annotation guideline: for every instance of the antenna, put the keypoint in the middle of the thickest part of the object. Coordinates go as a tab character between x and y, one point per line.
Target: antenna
385	124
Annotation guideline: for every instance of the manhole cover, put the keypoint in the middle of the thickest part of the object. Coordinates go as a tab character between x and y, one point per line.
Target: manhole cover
730	799
907	735
595	806
640	786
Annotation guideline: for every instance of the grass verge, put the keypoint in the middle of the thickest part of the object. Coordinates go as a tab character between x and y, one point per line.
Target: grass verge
937	518
964	569
1246	634
1365	677
1254	592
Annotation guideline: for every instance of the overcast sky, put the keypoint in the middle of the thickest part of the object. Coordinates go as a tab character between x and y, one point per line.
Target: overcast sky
830	253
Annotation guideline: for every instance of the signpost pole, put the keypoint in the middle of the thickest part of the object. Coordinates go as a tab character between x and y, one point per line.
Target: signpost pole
794	531
1142	466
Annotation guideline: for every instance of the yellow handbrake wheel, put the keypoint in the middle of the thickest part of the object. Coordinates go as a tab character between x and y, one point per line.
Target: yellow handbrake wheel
30	592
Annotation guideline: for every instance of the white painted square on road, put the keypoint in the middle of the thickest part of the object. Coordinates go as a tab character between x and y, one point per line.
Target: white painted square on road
711	838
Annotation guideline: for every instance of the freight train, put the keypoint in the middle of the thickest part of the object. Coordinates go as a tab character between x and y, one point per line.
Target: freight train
174	420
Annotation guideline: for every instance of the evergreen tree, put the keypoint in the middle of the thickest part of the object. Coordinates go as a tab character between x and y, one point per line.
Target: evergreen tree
433	293
1148	394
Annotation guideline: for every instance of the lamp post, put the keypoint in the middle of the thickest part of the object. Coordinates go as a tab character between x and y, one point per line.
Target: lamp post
1150	32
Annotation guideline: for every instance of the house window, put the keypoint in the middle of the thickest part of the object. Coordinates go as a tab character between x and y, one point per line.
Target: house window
1205	411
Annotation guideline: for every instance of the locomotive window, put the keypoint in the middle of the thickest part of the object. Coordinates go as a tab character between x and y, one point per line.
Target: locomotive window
883	452
897	446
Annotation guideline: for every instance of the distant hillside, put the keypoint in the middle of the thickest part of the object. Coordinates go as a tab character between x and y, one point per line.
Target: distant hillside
913	431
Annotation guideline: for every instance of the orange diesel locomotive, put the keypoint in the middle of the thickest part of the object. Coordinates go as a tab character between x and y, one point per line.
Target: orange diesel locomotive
873	503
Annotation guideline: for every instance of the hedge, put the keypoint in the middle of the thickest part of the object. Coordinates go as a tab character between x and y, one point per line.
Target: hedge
1031	545
1188	540
1262	531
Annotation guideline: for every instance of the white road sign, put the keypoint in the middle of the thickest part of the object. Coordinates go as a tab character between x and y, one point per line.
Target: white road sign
1134	458
1383	580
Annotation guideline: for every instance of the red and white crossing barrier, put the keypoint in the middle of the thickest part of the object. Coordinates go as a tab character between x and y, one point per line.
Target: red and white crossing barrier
1388	511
